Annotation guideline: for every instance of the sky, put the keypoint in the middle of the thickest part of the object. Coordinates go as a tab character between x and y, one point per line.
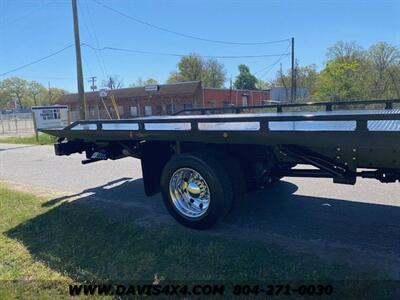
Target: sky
33	29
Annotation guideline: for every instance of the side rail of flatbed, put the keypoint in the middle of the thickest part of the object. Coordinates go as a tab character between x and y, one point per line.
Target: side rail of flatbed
325	129
352	139
282	106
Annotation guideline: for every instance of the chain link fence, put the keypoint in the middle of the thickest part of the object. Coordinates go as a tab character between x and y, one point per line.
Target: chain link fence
15	124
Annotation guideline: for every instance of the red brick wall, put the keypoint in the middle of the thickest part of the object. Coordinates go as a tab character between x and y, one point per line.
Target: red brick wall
165	105
222	97
159	106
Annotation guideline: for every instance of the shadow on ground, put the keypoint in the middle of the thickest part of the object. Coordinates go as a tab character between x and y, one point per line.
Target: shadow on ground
97	233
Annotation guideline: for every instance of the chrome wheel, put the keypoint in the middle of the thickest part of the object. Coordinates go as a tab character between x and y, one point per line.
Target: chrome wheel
189	192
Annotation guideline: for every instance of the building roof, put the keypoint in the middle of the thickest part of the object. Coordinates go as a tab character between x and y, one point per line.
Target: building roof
234	89
186	88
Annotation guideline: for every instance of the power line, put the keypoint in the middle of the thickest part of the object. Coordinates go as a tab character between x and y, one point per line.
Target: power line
37	61
275	62
138	52
99	56
88	62
30	12
184	34
96	37
45	77
178	54
272	66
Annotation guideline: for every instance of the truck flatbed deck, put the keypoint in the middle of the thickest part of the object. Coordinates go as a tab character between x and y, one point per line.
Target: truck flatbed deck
251	149
377	120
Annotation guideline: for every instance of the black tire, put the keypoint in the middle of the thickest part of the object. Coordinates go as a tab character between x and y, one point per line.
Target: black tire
217	180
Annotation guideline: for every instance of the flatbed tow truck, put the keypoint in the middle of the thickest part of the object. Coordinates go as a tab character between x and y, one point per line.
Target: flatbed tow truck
203	161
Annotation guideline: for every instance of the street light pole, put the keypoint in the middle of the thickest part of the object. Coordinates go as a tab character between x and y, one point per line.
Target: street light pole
79	73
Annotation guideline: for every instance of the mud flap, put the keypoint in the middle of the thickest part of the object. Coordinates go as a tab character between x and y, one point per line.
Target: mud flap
154	156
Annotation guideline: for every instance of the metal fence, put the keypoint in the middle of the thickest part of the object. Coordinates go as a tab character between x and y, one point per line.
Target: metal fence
16	124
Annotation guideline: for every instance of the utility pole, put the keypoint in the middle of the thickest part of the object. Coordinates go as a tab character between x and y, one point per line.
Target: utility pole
292	86
93	86
79	73
296	70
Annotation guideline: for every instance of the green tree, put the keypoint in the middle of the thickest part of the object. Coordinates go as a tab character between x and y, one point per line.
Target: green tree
53	94
213	74
15	88
354	73
394	73
306	77
35	92
194	67
263	84
245	80
341	81
384	60
4	97
345	74
191	67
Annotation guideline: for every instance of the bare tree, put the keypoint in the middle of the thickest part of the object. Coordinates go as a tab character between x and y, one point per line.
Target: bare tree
113	82
385	60
394	73
345	52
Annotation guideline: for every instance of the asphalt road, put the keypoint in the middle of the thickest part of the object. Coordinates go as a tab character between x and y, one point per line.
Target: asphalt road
359	224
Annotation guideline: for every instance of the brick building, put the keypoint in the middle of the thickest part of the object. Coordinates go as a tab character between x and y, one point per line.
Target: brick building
228	97
163	99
